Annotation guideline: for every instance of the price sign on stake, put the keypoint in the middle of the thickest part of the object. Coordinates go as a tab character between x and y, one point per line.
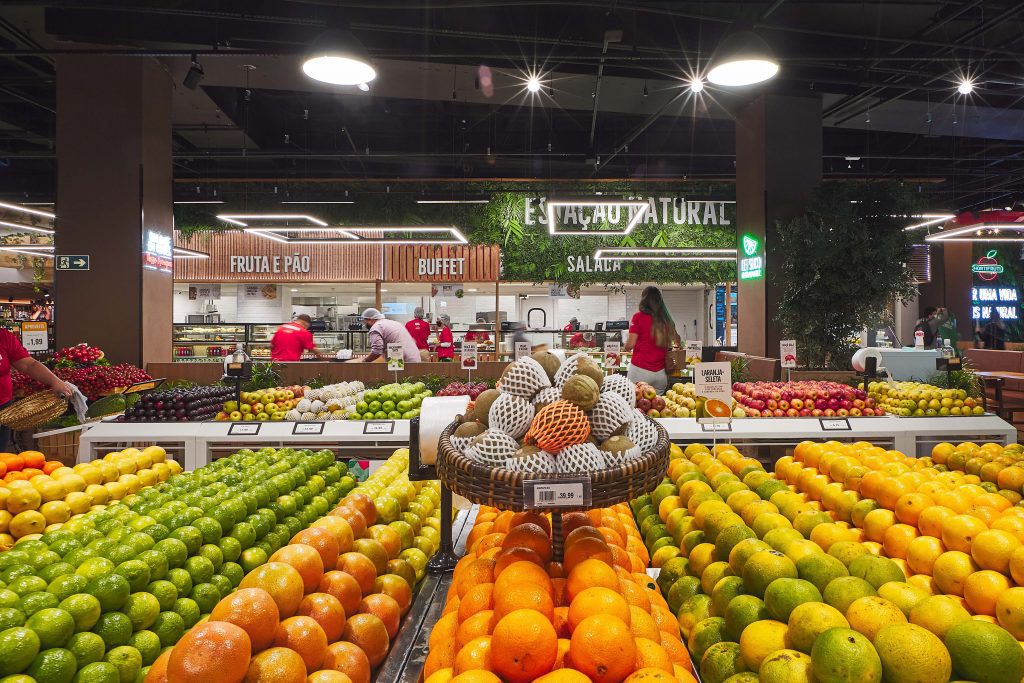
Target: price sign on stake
522	349
714	384
693	351
396	357
34	336
787	352
469	355
612	355
554	493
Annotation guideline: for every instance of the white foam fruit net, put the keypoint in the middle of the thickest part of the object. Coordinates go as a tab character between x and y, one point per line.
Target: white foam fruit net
546	396
581	457
568	369
642	432
540	462
621	385
461	443
524	378
609	415
511	414
622	457
491	448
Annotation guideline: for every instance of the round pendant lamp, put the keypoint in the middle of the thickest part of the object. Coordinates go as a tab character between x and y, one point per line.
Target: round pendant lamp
337	57
742	58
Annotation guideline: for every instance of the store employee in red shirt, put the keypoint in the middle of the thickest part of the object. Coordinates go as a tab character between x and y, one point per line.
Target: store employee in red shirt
14	355
651	333
419	330
291	339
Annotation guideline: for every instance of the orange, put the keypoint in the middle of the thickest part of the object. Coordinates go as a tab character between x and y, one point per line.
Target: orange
597	600
328	676
349	659
563	676
364	504
326	610
476	676
560	620
642	624
676	650
666	621
306	560
276	665
930	520
254	611
479	530
950	571
369	633
603	648
396	587
479	571
1011	478
909	507
992	549
634	595
572	521
537	518
488	542
362	569
343	587
586	548
651	655
385	608
959	531
476	654
524	646
922	553
324	542
211	651
503	522
478	599
1012	524
523	596
480	624
282	581
652	675
530	536
890	491
444	629
519	573
304	636
590	573
158	669
876	522
897	539
389	539
982	590
509	556
355	520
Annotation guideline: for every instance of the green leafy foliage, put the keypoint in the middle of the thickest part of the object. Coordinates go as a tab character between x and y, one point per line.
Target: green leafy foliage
264	376
841	264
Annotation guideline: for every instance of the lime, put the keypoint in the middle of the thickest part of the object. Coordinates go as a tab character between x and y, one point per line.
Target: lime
115	628
158	564
11	617
174	550
252	558
44	558
230	548
189	611
14	571
170	627
23	585
137	573
213	554
63	586
20	646
53	666
199	568
86	647
33	602
9	598
53	626
245	533
111	590
98	672
52	571
210	528
128	662
233	572
223	584
139	542
148	645
206	596
142	609
181	580
157	532
84	609
190	536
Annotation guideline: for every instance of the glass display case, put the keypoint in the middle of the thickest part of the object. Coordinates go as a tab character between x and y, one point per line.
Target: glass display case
199	342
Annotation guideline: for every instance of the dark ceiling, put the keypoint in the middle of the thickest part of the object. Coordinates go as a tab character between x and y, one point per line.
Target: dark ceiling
886	70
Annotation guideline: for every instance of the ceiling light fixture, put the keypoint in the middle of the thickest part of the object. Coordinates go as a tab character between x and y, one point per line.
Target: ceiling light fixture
195	74
696	85
34	212
930	219
455	236
345	201
655	254
742	58
442	199
976	233
30	228
965	87
182	252
243	219
42	251
338	58
275	234
636	207
201	201
533	84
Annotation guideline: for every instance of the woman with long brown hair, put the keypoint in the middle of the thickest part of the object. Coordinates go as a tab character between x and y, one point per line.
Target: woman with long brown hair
651	333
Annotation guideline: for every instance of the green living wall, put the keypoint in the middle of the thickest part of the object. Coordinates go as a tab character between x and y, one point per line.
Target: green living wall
685	215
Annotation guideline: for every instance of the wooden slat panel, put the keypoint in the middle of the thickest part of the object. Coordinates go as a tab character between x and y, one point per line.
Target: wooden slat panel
328	262
481	263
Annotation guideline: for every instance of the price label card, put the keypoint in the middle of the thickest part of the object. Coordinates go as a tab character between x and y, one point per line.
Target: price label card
396	357
308	428
244	429
787	352
379	427
553	493
468	355
34	336
693	351
834	424
522	349
716	427
612	354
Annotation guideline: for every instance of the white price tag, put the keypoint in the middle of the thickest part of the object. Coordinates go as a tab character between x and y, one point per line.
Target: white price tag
396	357
716	427
612	355
548	493
522	349
834	424
308	428
379	427
787	352
244	429
34	336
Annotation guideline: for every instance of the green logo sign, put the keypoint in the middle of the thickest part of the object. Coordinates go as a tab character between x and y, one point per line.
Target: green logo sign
987	267
752	261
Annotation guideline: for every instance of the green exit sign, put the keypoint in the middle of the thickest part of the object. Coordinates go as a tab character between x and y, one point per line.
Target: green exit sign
751	261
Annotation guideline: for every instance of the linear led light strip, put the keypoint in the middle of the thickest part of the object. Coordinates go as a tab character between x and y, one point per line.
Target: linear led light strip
654	254
41	250
455	236
34	212
182	252
973	233
640	206
930	219
241	219
30	228
275	235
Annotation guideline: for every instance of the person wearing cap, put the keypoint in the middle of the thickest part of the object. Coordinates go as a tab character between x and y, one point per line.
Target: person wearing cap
574	324
384	332
419	330
291	339
479	335
582	340
446	342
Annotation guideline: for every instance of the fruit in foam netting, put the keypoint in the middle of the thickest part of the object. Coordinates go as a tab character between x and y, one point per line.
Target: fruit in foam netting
582	391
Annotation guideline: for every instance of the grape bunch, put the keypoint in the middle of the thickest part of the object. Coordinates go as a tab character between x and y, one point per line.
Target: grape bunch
80	354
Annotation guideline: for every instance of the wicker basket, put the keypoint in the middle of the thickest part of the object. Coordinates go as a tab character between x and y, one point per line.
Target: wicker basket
503	488
37	409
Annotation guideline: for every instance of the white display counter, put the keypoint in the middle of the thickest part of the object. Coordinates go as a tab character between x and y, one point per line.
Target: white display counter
909	364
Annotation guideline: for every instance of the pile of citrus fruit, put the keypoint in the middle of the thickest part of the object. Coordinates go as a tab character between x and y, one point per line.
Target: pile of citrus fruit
96	598
916	399
768	580
327	605
514	615
37	493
